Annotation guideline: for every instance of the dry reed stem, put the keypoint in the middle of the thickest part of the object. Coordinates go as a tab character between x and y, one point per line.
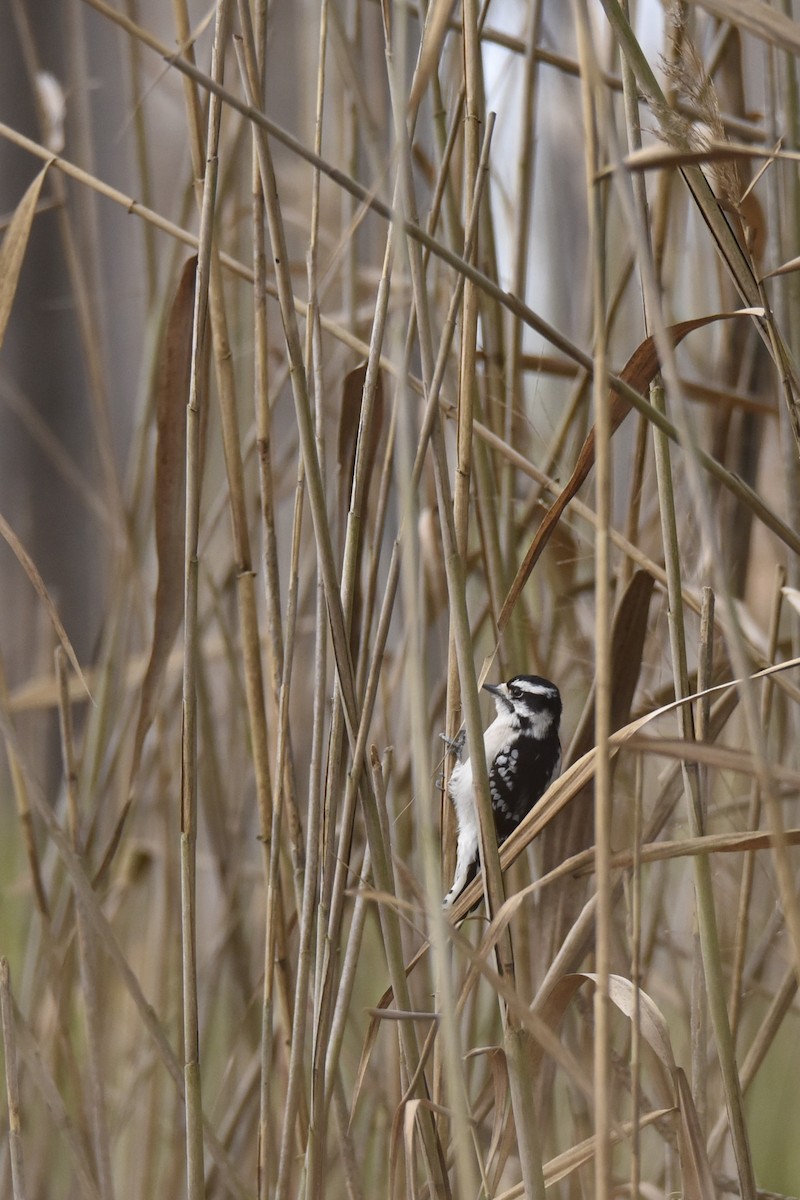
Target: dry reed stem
12	1083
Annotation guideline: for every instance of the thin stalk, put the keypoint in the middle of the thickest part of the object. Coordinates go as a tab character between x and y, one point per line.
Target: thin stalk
636	977
603	617
520	240
322	532
699	1007
92	1006
764	1039
192	1077
294	1098
469	318
12	1083
706	911
754	816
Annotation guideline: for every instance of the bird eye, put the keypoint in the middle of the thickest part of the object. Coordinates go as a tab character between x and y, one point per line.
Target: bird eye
515	692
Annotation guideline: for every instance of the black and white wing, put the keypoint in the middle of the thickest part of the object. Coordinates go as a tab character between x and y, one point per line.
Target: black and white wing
519	777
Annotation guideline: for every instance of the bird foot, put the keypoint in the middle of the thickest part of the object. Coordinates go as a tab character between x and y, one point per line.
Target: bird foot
455	746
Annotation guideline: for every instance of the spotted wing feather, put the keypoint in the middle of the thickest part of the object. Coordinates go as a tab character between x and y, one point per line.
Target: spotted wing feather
528	759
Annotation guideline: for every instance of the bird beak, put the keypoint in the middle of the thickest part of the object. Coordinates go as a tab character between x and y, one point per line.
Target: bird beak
499	693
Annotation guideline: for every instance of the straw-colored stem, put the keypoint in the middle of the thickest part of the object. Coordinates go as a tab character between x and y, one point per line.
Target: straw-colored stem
706	913
753	820
602	623
92	1006
12	1083
188	813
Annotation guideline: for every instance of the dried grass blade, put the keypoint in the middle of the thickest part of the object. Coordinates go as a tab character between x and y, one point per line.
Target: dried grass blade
15	243
501	1128
724	758
627	647
558	1168
658	157
172	394
12	1082
622	994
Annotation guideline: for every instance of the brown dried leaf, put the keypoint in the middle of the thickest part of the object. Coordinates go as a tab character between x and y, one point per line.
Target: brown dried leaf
349	421
352	392
573	829
627	647
172	394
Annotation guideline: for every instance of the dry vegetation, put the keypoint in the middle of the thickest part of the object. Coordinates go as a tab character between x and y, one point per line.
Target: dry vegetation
223	845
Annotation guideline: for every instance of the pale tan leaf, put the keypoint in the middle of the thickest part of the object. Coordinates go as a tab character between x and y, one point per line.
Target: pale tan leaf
564	1164
659	156
15	243
724	758
785	269
622	993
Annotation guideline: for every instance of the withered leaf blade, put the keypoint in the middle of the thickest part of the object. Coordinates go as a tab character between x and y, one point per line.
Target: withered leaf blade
627	649
352	392
659	156
639	372
172	394
15	243
362	412
624	996
572	830
350	418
